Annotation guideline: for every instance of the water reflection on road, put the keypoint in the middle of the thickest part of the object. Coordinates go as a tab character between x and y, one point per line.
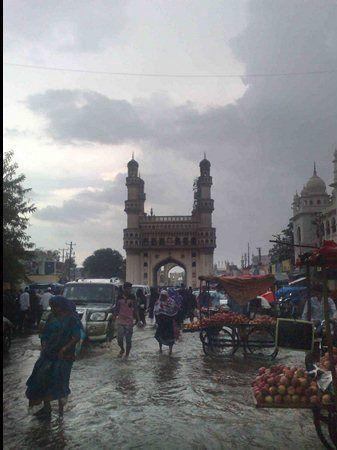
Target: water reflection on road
152	401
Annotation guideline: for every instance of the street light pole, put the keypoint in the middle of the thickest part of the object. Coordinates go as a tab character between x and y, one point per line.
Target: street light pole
71	245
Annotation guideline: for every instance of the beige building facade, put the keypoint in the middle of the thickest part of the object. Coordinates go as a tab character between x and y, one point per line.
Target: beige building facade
152	242
314	212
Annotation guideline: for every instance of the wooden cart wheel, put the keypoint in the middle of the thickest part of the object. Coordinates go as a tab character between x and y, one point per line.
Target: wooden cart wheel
261	342
218	342
206	346
329	420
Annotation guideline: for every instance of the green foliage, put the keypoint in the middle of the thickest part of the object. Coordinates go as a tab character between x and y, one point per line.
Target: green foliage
16	209
281	252
104	263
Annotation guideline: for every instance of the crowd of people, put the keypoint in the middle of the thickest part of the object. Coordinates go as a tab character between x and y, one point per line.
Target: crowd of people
24	308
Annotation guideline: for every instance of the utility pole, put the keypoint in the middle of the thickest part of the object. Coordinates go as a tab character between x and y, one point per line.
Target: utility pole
259	252
62	250
70	245
248	256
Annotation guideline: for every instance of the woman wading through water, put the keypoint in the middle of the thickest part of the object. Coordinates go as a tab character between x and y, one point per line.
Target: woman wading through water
165	311
51	374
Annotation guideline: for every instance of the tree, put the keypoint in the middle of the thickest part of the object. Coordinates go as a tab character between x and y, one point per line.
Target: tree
281	251
104	263
16	209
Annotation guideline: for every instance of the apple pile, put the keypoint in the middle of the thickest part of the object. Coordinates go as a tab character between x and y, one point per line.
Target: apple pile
263	320
324	362
282	385
229	317
194	326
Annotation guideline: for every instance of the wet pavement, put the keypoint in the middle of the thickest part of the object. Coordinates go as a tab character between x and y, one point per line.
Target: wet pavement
152	401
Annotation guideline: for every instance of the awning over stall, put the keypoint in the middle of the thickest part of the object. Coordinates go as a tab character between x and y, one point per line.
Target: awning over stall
243	288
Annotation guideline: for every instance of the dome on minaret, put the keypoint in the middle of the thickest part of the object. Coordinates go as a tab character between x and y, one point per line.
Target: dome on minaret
133	163
205	164
315	185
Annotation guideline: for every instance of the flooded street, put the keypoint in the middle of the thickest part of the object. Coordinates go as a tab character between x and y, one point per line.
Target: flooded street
152	401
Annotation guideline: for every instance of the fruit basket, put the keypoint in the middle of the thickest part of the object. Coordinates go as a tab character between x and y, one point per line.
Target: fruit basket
294	388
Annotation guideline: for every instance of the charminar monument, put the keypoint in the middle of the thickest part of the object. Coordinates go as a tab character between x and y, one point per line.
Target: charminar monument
152	242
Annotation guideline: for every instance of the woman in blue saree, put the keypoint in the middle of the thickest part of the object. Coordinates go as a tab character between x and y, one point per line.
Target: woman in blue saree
51	374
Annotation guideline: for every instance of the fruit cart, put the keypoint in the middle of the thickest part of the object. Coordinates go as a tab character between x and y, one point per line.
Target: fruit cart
223	334
316	389
225	340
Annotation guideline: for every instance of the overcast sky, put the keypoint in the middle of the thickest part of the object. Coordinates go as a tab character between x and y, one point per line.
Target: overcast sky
73	133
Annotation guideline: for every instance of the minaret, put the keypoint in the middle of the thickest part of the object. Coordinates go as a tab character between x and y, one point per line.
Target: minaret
204	205
134	205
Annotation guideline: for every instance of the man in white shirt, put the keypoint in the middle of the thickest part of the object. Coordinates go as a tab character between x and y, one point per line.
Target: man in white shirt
44	299
317	308
44	303
24	303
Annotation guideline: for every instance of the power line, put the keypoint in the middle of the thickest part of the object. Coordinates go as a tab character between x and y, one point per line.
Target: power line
172	75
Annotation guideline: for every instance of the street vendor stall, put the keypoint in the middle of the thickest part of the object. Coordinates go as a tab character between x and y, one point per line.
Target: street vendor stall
315	389
223	333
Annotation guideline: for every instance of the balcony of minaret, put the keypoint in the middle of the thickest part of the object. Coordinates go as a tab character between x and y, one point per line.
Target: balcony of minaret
205	205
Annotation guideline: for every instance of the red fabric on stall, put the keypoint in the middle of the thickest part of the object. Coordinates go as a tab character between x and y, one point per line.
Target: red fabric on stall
325	256
269	296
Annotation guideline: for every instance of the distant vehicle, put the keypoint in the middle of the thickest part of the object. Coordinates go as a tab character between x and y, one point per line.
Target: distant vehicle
56	288
7	328
218	297
94	301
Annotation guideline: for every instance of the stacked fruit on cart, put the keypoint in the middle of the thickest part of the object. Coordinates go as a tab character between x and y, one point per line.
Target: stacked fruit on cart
228	318
288	387
194	326
263	320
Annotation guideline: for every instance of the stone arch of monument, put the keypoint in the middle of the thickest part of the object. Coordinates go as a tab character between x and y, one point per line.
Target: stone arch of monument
150	239
169	260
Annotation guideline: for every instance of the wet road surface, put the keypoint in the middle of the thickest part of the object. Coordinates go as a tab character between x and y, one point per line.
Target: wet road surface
152	401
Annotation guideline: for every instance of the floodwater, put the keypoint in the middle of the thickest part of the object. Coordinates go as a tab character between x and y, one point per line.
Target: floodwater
152	401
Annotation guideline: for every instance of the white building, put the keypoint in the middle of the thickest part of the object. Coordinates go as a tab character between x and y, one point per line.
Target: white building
314	212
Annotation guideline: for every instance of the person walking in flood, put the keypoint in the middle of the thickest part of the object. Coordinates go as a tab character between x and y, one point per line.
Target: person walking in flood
153	298
125	311
165	311
51	374
24	307
141	307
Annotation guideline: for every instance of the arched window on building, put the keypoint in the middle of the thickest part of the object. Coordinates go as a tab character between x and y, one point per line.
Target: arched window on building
185	241
177	241
153	241
333	225
161	241
327	228
193	241
299	235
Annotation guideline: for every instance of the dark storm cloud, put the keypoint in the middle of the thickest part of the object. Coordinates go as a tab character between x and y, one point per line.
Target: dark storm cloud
86	116
88	204
67	26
